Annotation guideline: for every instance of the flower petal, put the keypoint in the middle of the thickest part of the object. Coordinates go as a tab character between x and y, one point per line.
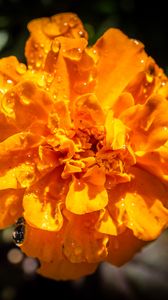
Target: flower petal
146	204
156	161
85	198
10	72
106	224
120	59
43	202
43	244
65	270
81	242
115	132
47	246
45	30
10	206
122	247
26	99
148	123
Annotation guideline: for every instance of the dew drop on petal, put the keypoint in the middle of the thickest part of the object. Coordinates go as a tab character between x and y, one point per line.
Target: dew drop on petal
21	69
24	100
73	22
38	64
55	46
7	103
41	81
73	54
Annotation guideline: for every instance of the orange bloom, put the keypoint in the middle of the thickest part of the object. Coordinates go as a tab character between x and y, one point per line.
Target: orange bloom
83	147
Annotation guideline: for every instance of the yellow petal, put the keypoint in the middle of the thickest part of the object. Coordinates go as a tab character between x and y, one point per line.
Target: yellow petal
115	132
106	224
85	198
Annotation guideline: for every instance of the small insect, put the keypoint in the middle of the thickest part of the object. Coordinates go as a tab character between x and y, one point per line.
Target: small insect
19	231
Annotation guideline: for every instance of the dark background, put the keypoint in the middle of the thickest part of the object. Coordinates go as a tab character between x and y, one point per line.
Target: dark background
146	276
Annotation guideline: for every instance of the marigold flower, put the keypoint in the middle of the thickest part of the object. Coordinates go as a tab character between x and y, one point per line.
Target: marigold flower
83	147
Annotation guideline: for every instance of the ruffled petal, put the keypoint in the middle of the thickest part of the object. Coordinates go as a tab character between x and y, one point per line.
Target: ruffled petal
115	132
43	244
148	124
10	73
10	206
120	59
85	198
146	205
156	161
48	248
26	99
43	202
45	30
149	81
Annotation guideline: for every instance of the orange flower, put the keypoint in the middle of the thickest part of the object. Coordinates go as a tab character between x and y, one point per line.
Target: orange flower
83	147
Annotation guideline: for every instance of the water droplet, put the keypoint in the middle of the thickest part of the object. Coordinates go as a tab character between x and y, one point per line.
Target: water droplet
82	87
24	100
9	81
55	46
49	79
73	22
136	42
109	183
142	61
38	64
81	33
163	83
73	54
7	103
21	69
41	81
150	74
35	45
59	79
78	250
